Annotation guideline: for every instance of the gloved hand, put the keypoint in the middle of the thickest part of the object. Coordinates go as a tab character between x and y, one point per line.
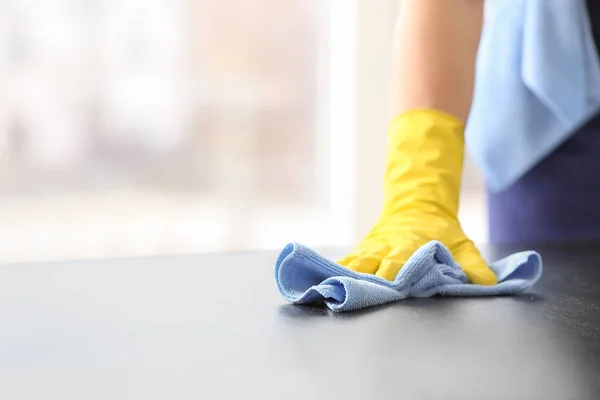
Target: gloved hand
422	185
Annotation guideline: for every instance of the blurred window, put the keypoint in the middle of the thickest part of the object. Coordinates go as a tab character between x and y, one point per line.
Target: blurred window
139	127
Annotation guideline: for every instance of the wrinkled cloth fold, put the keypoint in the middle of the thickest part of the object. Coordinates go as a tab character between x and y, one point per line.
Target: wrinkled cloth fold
537	83
303	276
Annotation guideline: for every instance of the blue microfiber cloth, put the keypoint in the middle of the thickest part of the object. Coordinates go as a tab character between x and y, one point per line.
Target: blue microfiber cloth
537	82
304	277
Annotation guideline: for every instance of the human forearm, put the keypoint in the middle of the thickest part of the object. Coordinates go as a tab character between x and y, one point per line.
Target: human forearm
433	62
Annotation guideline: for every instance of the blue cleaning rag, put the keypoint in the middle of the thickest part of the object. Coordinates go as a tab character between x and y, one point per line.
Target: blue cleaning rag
537	82
304	277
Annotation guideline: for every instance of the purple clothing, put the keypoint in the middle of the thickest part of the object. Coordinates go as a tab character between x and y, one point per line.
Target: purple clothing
558	200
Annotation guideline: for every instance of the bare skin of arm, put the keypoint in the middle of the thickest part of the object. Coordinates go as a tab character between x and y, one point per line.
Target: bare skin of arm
433	62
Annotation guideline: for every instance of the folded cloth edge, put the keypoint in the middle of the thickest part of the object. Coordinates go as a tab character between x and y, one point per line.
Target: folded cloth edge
516	273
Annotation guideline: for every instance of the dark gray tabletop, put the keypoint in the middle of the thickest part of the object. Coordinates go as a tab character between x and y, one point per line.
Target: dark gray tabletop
214	327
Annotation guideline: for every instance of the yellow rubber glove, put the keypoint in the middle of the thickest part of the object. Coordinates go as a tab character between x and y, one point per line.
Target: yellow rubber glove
422	185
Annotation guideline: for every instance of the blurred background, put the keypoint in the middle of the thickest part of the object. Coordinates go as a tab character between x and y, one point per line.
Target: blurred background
144	127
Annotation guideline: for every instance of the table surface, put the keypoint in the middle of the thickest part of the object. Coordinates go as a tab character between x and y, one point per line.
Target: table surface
215	327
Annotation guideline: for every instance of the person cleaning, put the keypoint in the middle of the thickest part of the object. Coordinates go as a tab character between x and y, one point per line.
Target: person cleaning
530	110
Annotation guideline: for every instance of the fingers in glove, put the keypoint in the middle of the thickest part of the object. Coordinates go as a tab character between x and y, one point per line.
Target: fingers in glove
473	264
